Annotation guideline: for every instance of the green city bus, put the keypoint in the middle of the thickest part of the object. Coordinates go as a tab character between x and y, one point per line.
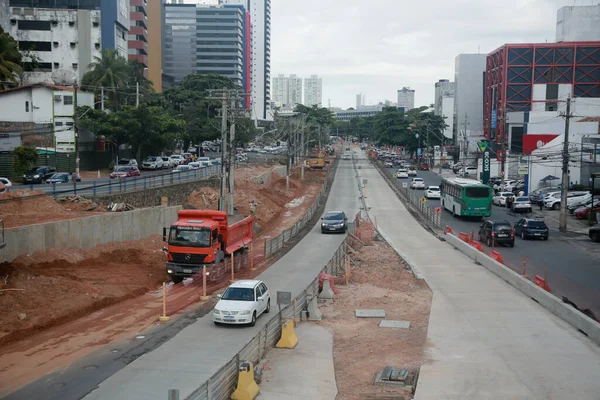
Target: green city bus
466	197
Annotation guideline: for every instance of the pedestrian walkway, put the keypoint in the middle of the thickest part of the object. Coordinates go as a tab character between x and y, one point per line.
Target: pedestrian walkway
305	372
486	340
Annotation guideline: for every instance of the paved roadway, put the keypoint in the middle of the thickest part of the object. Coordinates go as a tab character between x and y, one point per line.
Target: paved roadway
570	263
190	357
485	339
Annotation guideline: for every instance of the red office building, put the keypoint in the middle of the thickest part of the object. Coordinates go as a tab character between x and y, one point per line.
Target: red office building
138	32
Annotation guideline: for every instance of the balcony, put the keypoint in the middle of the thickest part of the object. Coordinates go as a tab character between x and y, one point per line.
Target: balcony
141	58
139	3
139	31
137	16
139	45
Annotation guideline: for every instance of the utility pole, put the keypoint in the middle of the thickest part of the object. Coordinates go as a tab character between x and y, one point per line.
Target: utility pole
137	94
502	120
223	151
102	98
289	157
465	144
231	175
301	149
75	130
565	171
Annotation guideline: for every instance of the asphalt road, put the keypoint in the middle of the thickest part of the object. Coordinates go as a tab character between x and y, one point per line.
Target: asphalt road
187	358
570	263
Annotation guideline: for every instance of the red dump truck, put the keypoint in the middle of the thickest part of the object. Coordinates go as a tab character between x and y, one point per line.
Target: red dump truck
207	238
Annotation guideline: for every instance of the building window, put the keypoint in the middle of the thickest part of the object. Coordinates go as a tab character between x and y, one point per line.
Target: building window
56	65
28	25
37	67
55	44
97	46
58	124
26	106
72	44
95	24
71	23
13	21
551	97
68	100
34	46
69	124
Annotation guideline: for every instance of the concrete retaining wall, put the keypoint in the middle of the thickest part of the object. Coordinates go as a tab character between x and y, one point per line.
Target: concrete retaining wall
266	178
176	193
87	232
567	313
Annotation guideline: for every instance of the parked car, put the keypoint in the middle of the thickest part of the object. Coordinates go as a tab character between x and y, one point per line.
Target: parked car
509	186
458	167
182	168
412	172
167	162
126	162
594	233
195	165
187	157
433	192
347	156
334	221
552	199
424	167
535	195
153	162
63	177
177	159
500	199
6	182
522	204
496	232
417	183
507	183
531	228
401	173
123	172
388	164
584	212
38	174
469	171
242	303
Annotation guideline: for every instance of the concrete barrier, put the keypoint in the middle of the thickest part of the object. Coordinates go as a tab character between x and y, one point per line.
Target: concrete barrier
266	178
87	232
567	313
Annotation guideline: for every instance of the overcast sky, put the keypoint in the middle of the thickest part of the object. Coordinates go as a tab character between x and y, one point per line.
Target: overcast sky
378	46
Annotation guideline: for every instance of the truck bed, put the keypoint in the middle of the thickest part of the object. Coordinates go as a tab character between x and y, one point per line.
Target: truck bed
233	219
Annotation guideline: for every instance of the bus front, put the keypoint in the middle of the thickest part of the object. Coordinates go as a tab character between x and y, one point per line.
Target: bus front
476	201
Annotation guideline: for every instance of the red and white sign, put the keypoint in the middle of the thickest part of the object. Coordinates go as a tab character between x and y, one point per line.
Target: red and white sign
534	141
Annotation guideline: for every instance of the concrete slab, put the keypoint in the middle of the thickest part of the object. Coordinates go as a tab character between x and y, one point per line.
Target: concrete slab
390	323
486	340
307	372
364	313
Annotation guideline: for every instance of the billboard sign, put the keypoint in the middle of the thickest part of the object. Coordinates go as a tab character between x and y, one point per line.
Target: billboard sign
485	176
494	117
533	142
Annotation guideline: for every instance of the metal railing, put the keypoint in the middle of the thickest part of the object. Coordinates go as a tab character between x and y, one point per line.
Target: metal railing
410	198
108	186
222	384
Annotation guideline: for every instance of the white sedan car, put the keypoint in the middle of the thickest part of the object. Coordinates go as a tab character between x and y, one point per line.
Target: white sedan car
182	168
417	183
500	198
402	173
432	192
242	303
412	172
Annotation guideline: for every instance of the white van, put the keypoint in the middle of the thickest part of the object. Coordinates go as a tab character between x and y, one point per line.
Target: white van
552	199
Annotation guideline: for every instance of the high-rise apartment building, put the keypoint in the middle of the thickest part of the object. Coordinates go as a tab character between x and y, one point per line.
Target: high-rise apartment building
207	40
138	32
468	95
287	91
578	24
360	100
406	98
313	91
260	15
155	17
444	104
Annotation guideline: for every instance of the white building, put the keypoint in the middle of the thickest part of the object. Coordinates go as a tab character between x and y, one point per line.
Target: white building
63	41
313	91
468	96
578	23
287	91
44	105
444	105
260	13
406	98
360	100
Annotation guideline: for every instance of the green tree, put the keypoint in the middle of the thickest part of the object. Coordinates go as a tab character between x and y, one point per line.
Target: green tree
24	157
112	72
321	115
10	59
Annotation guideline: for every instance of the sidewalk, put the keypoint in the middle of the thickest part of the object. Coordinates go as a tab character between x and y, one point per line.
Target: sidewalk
487	340
305	372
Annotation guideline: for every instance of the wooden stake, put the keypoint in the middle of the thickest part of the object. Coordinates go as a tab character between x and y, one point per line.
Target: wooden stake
524	267
232	268
347	269
204	297
164	317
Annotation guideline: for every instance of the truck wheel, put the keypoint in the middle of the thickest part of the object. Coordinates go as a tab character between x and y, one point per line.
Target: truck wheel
253	322
177	279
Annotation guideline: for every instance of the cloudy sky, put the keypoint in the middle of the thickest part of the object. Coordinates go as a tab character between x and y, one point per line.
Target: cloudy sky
378	46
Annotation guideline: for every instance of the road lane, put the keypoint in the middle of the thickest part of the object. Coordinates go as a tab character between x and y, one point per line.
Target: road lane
186	360
571	264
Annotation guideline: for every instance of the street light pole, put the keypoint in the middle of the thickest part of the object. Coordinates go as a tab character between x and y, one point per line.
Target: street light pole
76	131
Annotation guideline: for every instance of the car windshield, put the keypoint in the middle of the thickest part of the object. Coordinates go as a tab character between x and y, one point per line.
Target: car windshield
477	192
506	194
536	224
522	200
502	225
417	180
434	188
35	171
334	217
123	169
61	176
238	294
123	161
189	237
151	159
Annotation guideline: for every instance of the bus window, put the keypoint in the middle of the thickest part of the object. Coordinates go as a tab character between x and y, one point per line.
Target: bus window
477	192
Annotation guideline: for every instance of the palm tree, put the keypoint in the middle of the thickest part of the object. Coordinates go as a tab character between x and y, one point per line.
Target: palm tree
110	71
9	59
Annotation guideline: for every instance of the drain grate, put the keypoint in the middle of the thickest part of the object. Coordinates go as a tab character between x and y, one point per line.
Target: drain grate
390	376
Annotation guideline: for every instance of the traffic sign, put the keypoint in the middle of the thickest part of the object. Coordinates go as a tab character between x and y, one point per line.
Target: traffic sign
423	200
